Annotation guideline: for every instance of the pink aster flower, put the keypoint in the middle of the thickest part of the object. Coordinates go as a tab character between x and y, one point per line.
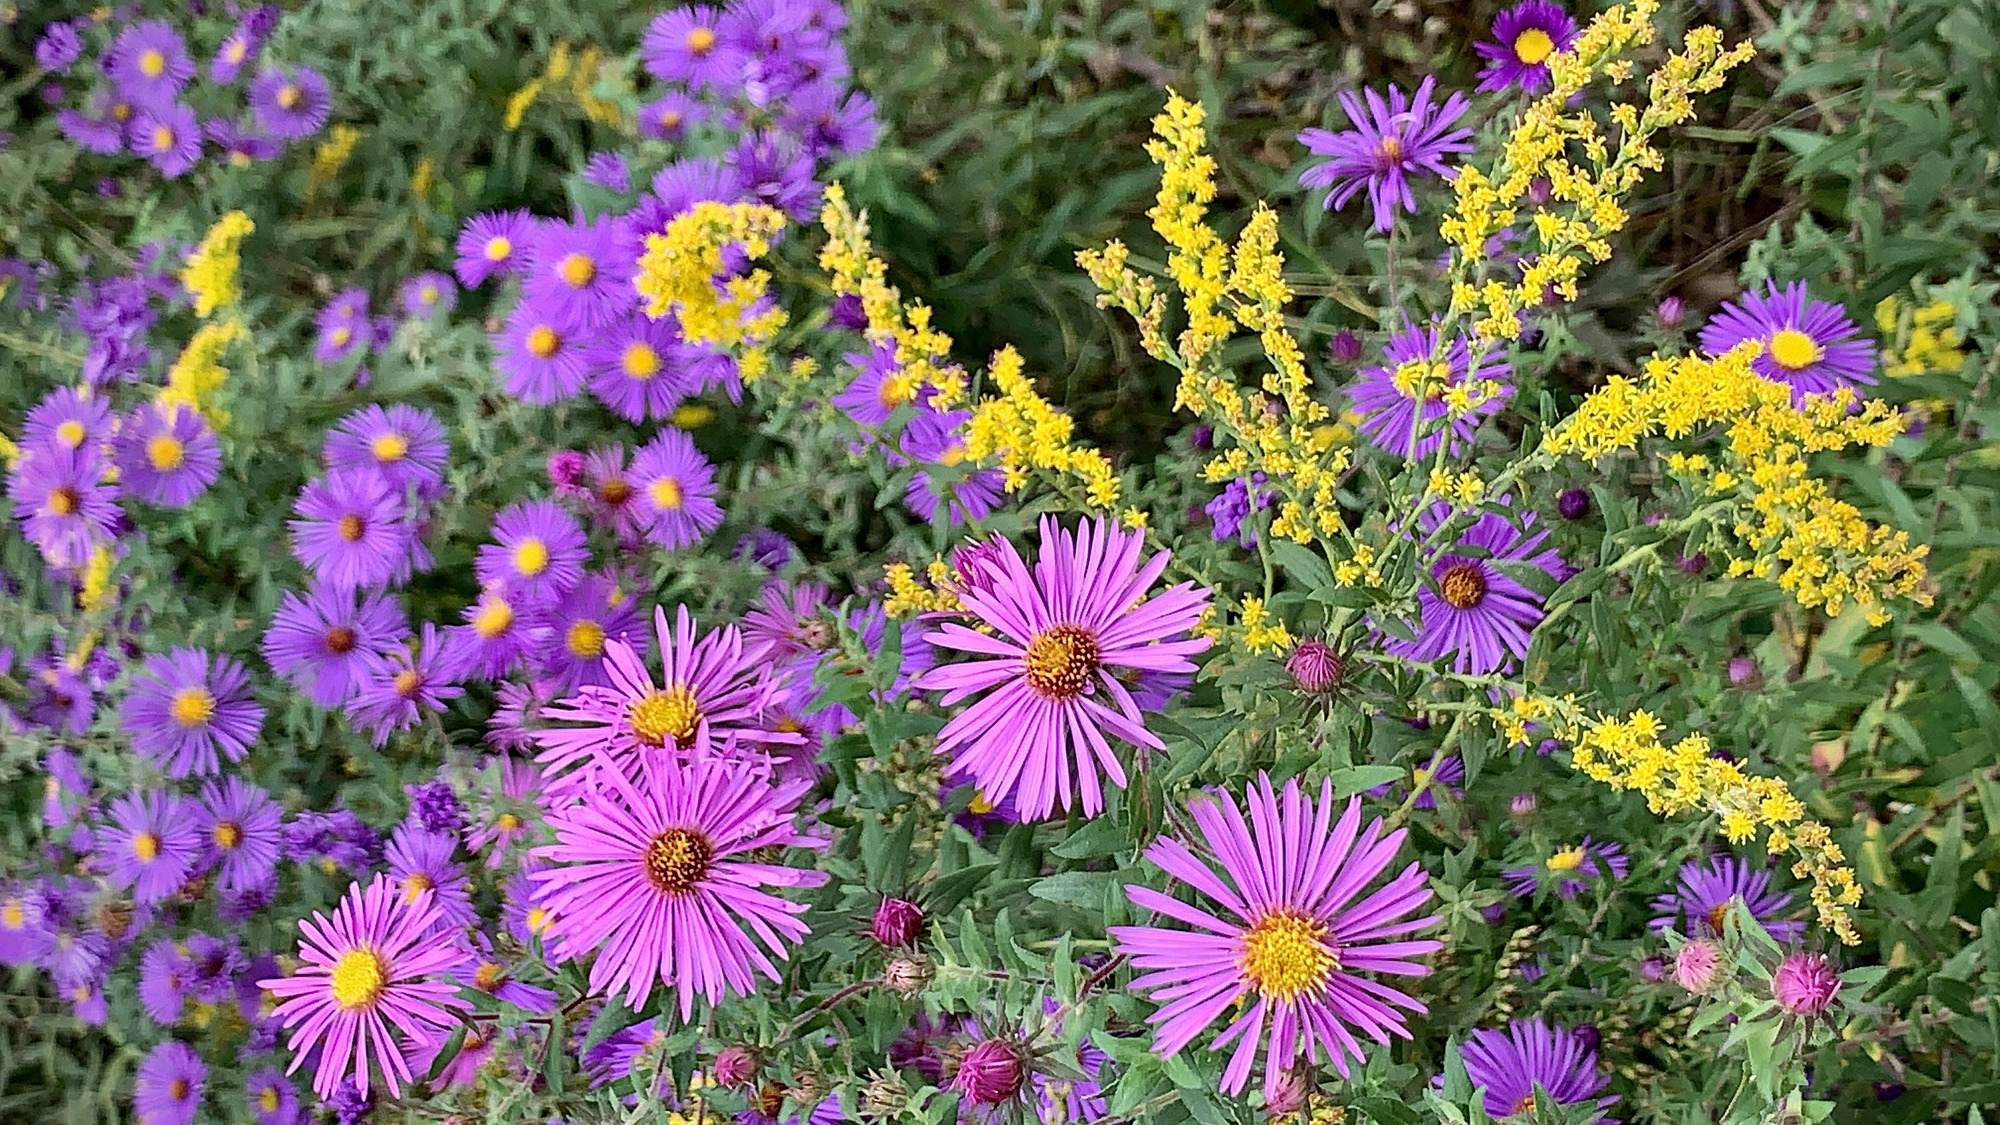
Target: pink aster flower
373	986
1059	638
1299	936
1805	984
652	879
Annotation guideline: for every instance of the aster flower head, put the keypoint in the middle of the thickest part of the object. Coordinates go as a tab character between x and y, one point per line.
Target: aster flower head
163	982
1472	611
168	135
66	507
149	63
1397	398
676	489
608	170
420	862
935	439
372	987
241	829
166	455
669	116
1508	1065
397	690
237	50
637	367
542	360
320	642
1525	35
1300	934
240	146
686	45
1810	346
351	530
1392	142
496	635
167	1089
342	327
503	816
429	293
880	386
270	1097
68	418
149	845
665	856
1707	890
291	104
580	273
405	444
186	708
1571	870
58	48
537	553
492	242
579	625
695	179
1060	636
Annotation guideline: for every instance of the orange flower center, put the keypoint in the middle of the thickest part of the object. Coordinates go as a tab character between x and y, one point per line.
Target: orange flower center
677	859
1462	586
1060	661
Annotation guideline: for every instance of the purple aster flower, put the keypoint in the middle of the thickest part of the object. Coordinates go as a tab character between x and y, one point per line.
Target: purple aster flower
290	105
1391	143
428	294
337	839
1472	611
833	120
790	620
609	171
491	242
1390	400
1229	513
167	1089
1509	1064
185	707
653	879
1568	869
242	831
65	506
62	699
1526	35
349	1103
1298	938
935	440
68	419
516	708
396	690
149	62
58	48
319	642
166	455
676	488
434	807
537	555
406	445
20	923
1810	346
502	816
879	388
1449	773
638	367
579	274
241	147
421	861
1057	637
767	548
604	482
343	328
150	845
271	1098
695	179
542	362
495	636
776	171
668	117
237	49
351	531
168	135
1708	889
163	982
578	625
685	45
213	963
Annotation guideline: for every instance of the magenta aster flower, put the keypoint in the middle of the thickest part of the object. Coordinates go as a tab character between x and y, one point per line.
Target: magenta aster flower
1391	143
1509	1064
542	361
1810	346
290	105
321	642
1805	984
1471	610
709	684
1059	638
167	1089
373	986
1526	35
65	506
421	861
242	831
403	443
579	273
1298	938
1570	870
537	554
676	487
578	625
652	879
352	531
168	135
492	242
686	45
636	369
396	690
186	707
166	455
1708	889
150	845
149	63
1390	402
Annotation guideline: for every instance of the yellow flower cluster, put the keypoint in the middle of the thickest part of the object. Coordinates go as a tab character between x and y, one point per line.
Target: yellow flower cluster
197	374
678	270
1590	194
331	156
1261	633
580	73
909	596
1016	426
1921	341
1823	551
210	273
97	594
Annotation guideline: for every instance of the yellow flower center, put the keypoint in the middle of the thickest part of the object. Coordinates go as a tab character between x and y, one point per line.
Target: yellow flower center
352	527
64	501
670	118
389	447
1391	149
538	919
1462	586
980	806
700	41
1533	46
145	846
235	53
1568	859
192	706
239	159
614	492
493	619
1420	777
1526	1104
1718	914
165	453
640	360
1060	661
489	975
70	433
163	138
576	270
498	248
508	822
414	885
428	294
543	341
290	96
340	336
896	390
267	1099
1285	954
1793	350
677	859
13	915
585	640
121	111
359	978
662	715
152	63
407	682
340	639
227	834
531	557
666	493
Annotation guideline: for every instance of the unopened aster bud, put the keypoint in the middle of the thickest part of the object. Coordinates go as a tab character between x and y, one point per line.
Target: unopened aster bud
1698	966
1493	912
1672	312
1743	671
1805	984
909	975
990	1072
1202	437
735	1066
1573	504
1588	1036
1695	563
1288	1094
566	471
1653	970
897	923
1346	346
1315	667
1523	805
846	312
1540	191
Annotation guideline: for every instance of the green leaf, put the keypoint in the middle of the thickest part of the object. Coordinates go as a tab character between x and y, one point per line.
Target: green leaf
1302	564
1354	779
447	1053
610	1020
1100	837
552	1066
1074	888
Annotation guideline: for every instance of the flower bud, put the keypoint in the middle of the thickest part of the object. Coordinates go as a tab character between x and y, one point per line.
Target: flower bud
908	976
1346	346
1288	1094
1743	671
847	312
1653	970
1523	805
990	1072
735	1066
1695	563
1573	504
1805	984
1698	966
884	1096
1587	1036
1202	437
1672	312
897	923
1540	191
1315	667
